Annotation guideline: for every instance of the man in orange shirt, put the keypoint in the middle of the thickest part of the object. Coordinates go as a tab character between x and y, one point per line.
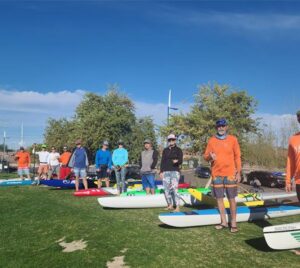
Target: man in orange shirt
23	159
293	162
223	152
64	160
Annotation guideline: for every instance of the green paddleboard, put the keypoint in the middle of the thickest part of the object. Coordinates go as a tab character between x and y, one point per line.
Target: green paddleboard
161	191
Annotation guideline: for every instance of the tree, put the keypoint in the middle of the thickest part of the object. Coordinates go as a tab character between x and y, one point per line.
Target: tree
97	118
211	103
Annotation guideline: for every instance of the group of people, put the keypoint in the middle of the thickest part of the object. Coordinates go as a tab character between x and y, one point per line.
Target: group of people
222	152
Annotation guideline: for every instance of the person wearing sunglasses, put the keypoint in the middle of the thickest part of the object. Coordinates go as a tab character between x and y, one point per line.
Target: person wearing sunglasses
171	161
223	152
53	162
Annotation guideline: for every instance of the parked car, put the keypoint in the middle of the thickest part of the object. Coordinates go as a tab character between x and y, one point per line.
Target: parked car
133	172
266	178
203	172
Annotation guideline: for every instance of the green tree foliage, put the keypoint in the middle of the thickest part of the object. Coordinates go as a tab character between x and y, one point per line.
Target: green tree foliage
211	103
97	118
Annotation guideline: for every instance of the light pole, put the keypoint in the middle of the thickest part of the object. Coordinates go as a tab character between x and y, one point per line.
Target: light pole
170	107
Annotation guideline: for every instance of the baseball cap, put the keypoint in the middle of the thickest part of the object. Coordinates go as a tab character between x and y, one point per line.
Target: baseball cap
105	143
44	146
172	137
147	141
78	141
221	122
120	142
21	148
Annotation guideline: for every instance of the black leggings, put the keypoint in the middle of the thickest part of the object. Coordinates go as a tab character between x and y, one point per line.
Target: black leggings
298	191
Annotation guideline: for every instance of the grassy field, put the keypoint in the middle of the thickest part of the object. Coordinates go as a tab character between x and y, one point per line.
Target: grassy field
34	218
4	176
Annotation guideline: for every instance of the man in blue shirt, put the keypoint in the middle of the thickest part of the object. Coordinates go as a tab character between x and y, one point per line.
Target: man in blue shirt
120	159
103	164
79	164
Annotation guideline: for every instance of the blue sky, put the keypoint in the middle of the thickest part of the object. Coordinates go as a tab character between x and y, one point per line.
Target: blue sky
147	47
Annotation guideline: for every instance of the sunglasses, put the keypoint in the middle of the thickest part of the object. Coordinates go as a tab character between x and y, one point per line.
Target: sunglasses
171	139
221	126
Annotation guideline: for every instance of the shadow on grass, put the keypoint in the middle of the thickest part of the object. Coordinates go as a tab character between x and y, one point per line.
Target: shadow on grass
259	244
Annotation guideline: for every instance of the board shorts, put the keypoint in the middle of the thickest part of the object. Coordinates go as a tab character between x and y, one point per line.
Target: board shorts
43	168
222	185
64	172
148	180
23	171
80	172
298	191
102	173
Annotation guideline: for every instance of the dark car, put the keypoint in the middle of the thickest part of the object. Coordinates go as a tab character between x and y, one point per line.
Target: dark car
202	172
133	172
266	178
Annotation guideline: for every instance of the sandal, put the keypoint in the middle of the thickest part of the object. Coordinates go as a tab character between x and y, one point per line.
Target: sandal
234	229
221	227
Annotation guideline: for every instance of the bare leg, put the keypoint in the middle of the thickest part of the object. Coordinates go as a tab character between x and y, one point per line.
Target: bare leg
152	191
99	183
221	208
84	180
147	190
76	183
106	182
232	203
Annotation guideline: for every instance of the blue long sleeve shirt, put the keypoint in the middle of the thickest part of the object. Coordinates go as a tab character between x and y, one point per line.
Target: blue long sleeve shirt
103	158
120	157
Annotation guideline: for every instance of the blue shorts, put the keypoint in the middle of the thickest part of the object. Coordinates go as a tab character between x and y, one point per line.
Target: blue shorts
23	171
80	172
148	180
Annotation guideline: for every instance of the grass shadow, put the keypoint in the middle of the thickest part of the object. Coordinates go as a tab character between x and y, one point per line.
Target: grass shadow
259	244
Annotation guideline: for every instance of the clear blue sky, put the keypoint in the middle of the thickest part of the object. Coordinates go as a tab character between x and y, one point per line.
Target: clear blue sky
148	47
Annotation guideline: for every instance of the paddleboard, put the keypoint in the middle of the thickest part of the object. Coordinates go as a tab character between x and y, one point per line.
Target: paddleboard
145	201
91	192
65	184
246	198
16	182
284	236
211	216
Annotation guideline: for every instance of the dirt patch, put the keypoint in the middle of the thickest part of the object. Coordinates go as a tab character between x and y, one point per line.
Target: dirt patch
118	261
72	246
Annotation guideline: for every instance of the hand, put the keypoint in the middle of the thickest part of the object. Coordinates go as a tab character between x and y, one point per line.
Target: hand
108	170
213	156
175	161
288	188
238	177
98	169
161	175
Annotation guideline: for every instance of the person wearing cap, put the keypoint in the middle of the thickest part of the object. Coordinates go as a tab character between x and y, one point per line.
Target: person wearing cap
64	159
148	162
53	162
119	160
293	162
79	163
43	160
23	159
103	164
223	152
171	161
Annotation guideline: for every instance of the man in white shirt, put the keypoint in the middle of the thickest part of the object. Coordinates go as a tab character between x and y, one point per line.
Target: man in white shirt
53	162
43	159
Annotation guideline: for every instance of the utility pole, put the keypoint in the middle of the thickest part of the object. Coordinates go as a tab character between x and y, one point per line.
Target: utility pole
170	106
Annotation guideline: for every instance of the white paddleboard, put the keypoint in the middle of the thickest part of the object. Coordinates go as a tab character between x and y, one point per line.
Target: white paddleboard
212	216
144	201
284	236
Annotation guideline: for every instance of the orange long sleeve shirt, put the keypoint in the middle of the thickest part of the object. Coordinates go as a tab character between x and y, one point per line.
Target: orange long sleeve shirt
293	160
228	156
23	159
64	158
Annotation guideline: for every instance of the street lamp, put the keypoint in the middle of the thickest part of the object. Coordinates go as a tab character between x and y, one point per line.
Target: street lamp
170	107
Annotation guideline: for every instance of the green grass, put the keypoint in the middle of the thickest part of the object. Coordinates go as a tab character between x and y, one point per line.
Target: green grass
4	175
34	218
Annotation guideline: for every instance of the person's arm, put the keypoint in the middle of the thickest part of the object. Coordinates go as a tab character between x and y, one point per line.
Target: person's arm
97	160
109	160
155	159
140	161
86	158
180	156
163	160
290	165
126	157
207	153
29	160
237	156
114	158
